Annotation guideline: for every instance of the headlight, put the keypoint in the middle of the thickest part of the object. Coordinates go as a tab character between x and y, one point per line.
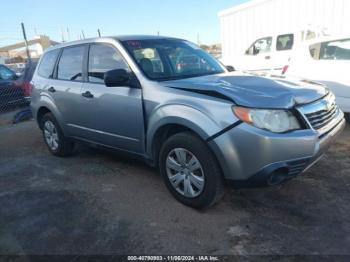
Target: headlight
277	121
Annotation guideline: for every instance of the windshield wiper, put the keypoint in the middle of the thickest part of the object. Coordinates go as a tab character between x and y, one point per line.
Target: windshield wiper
186	76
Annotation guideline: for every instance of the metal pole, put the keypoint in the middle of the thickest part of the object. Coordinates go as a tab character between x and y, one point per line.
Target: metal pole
68	34
62	34
26	43
99	33
82	32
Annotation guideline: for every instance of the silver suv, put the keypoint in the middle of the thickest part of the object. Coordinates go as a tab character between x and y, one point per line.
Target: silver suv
171	103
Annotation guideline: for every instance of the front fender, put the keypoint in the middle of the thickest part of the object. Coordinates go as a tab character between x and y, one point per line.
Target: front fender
183	115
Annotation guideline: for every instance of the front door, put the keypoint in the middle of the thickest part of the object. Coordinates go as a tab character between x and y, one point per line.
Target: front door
111	116
258	56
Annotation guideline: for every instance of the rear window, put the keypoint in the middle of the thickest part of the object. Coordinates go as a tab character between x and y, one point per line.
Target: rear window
47	63
285	42
332	50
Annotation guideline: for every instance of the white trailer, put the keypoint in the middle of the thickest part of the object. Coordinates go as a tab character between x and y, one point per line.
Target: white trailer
243	25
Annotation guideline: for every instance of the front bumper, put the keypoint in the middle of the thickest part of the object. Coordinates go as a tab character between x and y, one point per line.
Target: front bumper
250	156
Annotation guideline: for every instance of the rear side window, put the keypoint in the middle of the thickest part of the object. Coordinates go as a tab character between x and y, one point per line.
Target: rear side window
103	58
285	42
47	63
71	64
332	50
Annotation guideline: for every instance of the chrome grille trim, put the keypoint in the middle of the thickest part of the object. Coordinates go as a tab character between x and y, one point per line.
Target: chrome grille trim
323	114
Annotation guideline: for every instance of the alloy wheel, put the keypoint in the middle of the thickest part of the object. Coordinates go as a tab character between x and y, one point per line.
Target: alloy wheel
51	135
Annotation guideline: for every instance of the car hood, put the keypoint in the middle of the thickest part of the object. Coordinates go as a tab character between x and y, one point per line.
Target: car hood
254	91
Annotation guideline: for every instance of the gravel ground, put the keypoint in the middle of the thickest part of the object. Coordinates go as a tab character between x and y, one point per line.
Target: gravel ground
102	203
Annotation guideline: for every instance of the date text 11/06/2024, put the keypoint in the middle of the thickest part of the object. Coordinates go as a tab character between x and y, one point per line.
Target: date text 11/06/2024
173	258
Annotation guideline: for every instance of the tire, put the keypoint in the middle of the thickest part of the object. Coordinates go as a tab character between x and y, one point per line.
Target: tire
191	148
59	145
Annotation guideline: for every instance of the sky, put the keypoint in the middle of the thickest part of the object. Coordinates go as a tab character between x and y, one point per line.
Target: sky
186	19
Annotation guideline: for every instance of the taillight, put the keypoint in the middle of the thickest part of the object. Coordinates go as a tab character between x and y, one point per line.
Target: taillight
284	69
27	89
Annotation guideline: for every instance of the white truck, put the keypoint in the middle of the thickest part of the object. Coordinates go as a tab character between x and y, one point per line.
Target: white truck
272	52
325	60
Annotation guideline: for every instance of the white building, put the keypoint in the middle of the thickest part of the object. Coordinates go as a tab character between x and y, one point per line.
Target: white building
243	24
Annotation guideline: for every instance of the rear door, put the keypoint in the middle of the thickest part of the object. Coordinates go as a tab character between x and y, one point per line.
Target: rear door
111	116
65	87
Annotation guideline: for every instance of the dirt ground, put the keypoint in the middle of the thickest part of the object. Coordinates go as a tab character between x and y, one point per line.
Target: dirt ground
101	203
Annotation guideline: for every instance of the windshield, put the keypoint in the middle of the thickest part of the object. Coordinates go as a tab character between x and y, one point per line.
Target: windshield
166	59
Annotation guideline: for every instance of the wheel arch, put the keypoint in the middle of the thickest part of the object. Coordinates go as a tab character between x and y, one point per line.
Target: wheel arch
45	106
170	120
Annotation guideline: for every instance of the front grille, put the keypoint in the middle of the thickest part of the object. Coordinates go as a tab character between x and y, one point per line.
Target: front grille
322	117
323	114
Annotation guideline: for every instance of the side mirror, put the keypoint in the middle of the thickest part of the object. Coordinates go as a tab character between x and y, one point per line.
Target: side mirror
230	68
117	77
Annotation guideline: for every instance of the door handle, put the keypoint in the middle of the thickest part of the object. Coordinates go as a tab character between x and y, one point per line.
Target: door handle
267	57
87	94
52	89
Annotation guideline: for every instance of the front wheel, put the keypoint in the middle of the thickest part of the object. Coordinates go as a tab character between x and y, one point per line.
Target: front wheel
56	142
190	171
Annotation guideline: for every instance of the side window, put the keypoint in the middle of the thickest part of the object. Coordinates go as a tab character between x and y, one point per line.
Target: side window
285	42
103	58
333	50
260	46
6	74
47	63
71	63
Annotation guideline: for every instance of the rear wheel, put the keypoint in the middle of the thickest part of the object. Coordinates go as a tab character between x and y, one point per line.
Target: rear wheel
56	142
190	171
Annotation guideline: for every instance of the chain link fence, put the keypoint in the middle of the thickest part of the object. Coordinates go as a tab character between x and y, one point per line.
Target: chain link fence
15	86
